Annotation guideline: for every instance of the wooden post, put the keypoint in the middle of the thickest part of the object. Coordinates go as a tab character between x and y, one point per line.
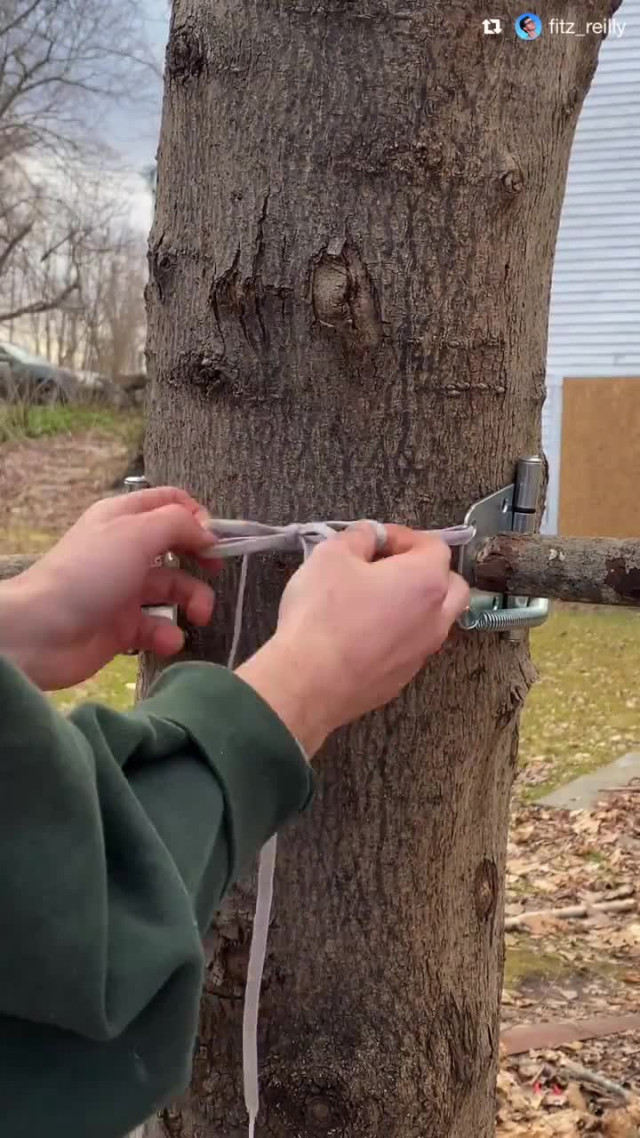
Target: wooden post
600	571
596	570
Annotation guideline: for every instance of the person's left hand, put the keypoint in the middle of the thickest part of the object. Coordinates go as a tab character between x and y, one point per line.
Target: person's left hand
81	603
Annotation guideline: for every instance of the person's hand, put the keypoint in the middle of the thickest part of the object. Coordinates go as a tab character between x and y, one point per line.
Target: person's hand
352	632
80	604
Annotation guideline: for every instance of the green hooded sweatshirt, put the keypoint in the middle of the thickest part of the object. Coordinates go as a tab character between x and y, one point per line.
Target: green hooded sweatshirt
119	835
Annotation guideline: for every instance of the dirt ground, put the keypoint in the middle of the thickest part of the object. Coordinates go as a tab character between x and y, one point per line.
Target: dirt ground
45	484
558	969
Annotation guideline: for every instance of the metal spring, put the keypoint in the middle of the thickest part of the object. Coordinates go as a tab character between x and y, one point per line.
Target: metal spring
501	620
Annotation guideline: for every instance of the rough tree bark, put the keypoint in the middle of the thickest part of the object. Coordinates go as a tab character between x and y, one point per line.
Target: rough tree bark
350	272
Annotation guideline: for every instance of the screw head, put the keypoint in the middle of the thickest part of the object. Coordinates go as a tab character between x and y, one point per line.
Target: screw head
136	482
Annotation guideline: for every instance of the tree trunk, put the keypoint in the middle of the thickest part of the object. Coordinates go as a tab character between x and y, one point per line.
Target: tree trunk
350	272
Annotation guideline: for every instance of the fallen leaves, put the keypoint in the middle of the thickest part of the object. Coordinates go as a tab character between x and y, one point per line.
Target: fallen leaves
547	1095
576	1099
618	1124
573	969
633	933
584	898
520	867
586	823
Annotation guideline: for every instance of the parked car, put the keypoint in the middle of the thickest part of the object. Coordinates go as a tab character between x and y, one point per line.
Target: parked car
135	387
29	377
95	386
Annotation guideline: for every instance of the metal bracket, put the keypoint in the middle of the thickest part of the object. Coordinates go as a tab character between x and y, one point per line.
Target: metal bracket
132	483
511	509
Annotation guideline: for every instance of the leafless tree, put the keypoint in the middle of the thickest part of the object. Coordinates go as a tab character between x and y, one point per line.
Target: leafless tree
100	326
113	327
62	62
27	246
59	61
47	233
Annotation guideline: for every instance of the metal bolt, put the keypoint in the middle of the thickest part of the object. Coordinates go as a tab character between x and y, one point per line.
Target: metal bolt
136	482
139	482
525	505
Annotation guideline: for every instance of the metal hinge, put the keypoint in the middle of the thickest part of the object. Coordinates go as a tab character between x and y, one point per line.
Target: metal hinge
509	510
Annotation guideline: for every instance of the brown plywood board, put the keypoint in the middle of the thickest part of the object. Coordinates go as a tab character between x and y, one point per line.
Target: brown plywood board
600	464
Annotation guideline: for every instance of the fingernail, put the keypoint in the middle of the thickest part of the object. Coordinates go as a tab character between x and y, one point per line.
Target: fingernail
204	517
209	552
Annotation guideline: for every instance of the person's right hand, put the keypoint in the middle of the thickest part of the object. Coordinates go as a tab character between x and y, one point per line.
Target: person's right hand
352	632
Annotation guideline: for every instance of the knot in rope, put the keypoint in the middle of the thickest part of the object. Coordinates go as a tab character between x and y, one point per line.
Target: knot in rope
237	538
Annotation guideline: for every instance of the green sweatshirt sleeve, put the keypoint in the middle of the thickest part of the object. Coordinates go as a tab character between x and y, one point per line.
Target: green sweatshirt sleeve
119	834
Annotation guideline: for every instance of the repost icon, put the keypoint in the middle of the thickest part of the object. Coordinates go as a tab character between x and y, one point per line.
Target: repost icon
492	27
528	26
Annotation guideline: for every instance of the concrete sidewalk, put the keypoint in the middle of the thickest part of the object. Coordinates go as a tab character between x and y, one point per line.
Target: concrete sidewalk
584	792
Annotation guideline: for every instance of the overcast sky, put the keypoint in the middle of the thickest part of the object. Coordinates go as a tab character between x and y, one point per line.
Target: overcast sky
133	131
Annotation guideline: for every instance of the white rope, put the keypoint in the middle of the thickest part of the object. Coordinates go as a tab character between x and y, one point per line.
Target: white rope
236	538
257	955
237	623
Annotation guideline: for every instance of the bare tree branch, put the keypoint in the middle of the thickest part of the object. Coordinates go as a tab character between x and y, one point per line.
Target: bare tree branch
49	52
40	305
19	18
60	61
13	243
58	245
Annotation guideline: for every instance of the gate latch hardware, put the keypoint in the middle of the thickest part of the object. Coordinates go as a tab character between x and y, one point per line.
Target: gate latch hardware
510	510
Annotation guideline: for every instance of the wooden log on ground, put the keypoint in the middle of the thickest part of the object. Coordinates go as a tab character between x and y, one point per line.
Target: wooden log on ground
594	1079
560	1033
596	570
519	923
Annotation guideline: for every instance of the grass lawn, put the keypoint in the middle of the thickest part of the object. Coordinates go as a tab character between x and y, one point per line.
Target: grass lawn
585	709
27	421
97	434
583	712
114	685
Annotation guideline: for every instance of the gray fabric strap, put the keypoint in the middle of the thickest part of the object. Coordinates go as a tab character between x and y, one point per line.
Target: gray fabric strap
237	538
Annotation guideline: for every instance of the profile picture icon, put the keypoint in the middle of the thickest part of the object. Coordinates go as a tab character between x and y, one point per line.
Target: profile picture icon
529	26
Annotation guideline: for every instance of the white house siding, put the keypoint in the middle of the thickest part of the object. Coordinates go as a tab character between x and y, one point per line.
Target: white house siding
594	325
551	441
